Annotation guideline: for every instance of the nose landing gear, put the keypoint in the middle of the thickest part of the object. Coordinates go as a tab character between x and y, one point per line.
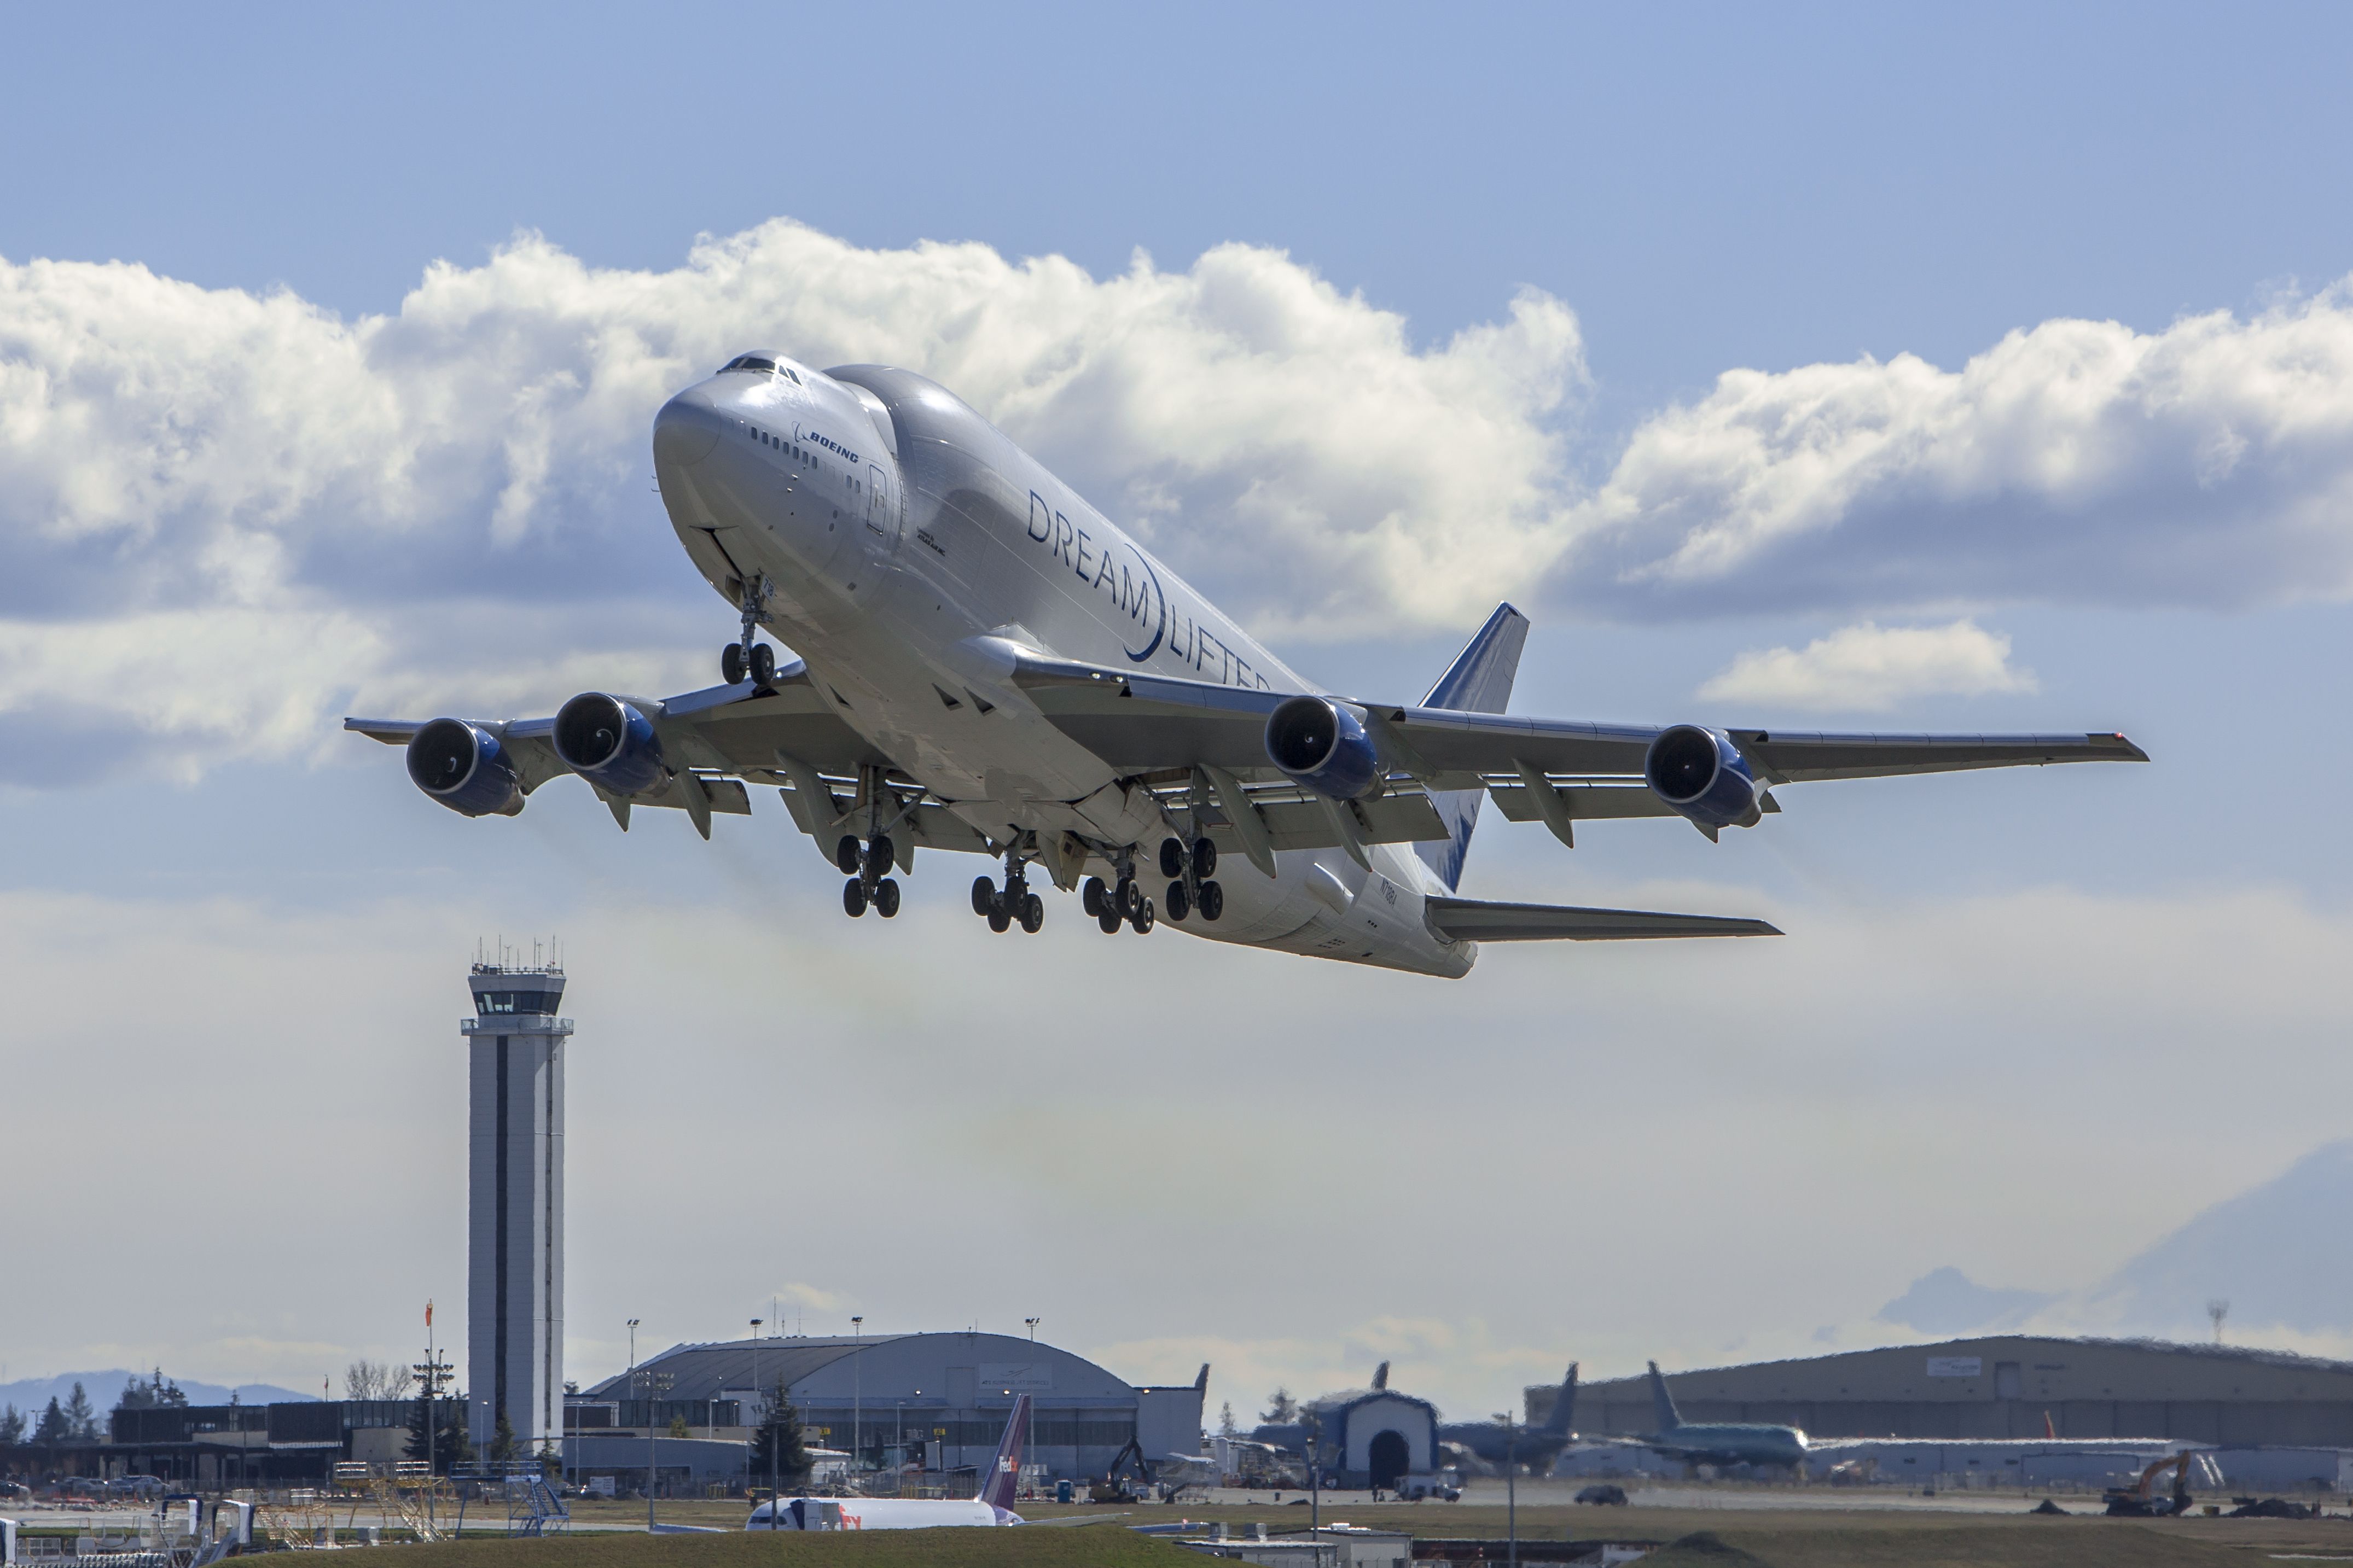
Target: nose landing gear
756	659
1189	873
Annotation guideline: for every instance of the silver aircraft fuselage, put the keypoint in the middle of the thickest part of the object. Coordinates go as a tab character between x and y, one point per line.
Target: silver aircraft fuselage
907	546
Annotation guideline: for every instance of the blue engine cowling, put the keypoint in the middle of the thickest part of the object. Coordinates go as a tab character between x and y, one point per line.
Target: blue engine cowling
464	767
610	743
1702	774
1323	745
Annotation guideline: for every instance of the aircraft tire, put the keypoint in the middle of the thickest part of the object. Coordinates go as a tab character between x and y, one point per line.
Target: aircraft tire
984	895
853	897
1142	918
1125	898
731	663
878	855
1213	900
763	663
886	898
1033	914
1204	859
1180	903
1107	918
845	856
999	922
1172	858
1091	896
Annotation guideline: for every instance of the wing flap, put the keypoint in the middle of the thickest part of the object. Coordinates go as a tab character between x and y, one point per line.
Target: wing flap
1470	920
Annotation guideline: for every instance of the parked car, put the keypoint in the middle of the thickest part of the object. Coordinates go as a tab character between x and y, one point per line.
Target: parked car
1603	1492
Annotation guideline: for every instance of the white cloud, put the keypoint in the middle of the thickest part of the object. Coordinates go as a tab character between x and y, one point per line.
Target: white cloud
1870	667
2211	463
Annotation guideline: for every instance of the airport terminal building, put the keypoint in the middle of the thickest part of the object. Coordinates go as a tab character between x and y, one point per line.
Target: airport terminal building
2002	1386
940	1400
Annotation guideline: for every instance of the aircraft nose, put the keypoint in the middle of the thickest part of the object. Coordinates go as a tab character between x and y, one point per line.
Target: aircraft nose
687	428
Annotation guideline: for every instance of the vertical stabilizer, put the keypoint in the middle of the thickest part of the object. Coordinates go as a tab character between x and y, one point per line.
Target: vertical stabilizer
1477	681
1662	1404
1004	1478
1564	1404
1381	1376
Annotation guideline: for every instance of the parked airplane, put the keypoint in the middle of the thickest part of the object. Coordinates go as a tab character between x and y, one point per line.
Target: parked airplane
992	1505
1495	1442
989	663
1719	1442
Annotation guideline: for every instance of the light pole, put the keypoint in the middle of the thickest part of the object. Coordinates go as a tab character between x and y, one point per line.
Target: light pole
1511	1484
1033	1329
1314	1474
858	1391
760	1405
656	1383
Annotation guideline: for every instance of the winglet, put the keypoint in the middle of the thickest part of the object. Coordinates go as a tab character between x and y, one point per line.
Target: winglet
1005	1470
1662	1404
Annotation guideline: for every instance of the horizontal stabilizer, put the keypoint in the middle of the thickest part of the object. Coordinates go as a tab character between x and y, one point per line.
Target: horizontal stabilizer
1468	920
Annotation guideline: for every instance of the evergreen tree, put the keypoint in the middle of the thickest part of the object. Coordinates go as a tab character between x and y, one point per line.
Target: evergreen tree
1225	1428
780	1447
82	1421
148	1393
12	1426
54	1427
1283	1410
449	1445
502	1441
678	1427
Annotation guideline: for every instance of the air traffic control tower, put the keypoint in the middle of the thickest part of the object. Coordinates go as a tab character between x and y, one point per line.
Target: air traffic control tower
514	1257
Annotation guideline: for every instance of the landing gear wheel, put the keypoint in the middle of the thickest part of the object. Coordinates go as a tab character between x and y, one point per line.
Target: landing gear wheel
998	921
1180	902
1091	896
853	897
1033	914
1125	898
731	663
1172	858
1204	859
886	898
1142	918
1213	900
764	664
983	895
878	856
1107	918
845	856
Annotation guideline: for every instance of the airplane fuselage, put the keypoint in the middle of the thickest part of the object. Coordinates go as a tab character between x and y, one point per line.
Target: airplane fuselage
1732	1444
899	543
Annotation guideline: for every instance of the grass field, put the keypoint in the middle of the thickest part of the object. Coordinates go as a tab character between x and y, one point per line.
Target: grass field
1685	1538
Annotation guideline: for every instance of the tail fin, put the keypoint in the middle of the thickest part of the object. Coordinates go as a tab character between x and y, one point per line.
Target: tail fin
1564	1404
1477	681
1381	1376
1004	1478
1662	1404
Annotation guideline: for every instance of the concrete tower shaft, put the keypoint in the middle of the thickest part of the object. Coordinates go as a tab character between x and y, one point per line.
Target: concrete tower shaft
514	1260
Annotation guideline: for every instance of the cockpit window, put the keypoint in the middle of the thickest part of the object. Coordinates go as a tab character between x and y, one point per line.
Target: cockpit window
750	362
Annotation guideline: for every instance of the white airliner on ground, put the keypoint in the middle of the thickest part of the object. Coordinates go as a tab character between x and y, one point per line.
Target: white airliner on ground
989	663
992	1505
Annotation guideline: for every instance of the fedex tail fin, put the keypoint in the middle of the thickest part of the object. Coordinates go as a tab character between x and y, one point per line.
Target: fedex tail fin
1477	681
1564	1404
1004	1478
1662	1404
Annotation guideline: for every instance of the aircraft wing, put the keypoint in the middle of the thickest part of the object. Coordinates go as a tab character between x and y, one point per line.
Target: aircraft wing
1468	920
1144	723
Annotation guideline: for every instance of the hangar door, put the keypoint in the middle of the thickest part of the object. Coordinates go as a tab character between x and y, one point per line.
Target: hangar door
1388	1458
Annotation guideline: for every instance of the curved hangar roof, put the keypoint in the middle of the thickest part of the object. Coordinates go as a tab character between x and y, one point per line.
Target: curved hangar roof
927	1365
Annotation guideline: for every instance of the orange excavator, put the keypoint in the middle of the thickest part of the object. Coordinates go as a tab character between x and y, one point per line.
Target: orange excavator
2141	1500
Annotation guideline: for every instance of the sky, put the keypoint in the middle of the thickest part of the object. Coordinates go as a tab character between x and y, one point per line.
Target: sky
1825	367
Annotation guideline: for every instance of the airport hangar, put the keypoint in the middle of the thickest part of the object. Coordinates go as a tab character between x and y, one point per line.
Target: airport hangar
896	1391
2000	1386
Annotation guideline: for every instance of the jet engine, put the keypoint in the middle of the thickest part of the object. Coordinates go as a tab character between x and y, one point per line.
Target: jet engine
1323	744
464	767
1703	775
610	743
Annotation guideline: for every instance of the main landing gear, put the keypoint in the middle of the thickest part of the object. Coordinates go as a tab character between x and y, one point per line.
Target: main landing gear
1011	905
1119	902
867	883
1189	887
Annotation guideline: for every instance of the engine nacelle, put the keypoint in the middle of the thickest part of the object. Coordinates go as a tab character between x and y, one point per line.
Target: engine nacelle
465	768
1702	774
610	743
1324	744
